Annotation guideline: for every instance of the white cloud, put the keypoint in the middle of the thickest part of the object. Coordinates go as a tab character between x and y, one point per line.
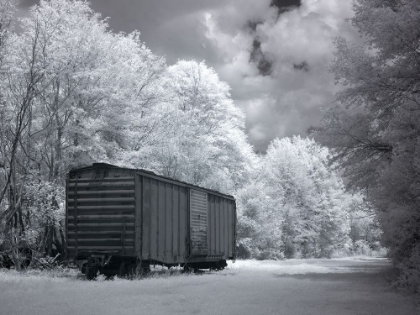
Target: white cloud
299	45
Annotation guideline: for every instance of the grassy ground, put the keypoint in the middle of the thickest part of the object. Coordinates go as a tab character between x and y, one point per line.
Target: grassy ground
336	286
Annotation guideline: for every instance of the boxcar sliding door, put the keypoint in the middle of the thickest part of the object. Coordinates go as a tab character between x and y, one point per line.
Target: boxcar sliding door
198	223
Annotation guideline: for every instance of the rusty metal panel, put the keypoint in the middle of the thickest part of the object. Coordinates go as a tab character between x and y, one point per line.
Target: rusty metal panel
198	222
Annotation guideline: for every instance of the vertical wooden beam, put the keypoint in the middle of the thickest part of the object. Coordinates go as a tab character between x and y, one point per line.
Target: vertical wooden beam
67	218
157	218
138	214
75	217
179	222
165	215
172	218
209	224
234	234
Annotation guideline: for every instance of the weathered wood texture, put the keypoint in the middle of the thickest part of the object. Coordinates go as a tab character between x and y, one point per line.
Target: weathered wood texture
198	223
164	213
100	211
221	226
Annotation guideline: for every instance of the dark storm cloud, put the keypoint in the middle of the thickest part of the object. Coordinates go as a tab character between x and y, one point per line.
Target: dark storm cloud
170	28
27	3
264	65
284	3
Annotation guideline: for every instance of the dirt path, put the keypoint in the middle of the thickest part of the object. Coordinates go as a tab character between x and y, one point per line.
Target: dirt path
294	287
346	287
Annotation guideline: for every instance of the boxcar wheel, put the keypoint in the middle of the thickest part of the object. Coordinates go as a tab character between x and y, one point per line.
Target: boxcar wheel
90	273
187	269
144	270
122	270
83	268
130	270
222	264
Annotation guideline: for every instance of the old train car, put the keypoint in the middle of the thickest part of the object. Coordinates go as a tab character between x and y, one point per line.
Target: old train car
119	220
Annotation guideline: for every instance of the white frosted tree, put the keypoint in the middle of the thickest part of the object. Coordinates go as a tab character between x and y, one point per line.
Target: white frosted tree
94	89
74	93
299	203
197	133
374	127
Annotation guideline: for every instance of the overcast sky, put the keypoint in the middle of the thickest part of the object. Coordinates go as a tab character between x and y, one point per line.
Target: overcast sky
273	53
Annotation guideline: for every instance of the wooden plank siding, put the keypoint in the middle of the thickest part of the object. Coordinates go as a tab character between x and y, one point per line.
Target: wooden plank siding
164	221
100	212
221	227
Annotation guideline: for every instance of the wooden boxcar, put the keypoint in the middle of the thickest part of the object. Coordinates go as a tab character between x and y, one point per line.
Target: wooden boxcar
120	219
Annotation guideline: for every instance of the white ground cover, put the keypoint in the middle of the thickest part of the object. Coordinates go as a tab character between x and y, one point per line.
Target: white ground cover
315	286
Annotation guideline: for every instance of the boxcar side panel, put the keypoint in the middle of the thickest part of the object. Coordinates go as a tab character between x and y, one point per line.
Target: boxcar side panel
183	225
168	252
163	211
154	218
222	226
147	217
164	221
229	227
226	210
232	229
176	223
226	220
218	251
221	236
138	215
213	228
209	231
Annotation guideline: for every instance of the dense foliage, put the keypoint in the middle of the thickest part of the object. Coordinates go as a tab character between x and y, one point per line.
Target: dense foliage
374	126
73	92
296	206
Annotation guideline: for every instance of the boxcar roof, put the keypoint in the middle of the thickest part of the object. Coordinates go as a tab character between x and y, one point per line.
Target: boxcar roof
150	173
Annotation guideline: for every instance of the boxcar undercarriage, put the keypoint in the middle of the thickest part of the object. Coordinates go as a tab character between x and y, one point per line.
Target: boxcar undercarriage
92	264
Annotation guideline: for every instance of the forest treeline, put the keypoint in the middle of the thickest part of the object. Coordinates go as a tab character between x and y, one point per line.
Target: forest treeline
73	93
374	124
